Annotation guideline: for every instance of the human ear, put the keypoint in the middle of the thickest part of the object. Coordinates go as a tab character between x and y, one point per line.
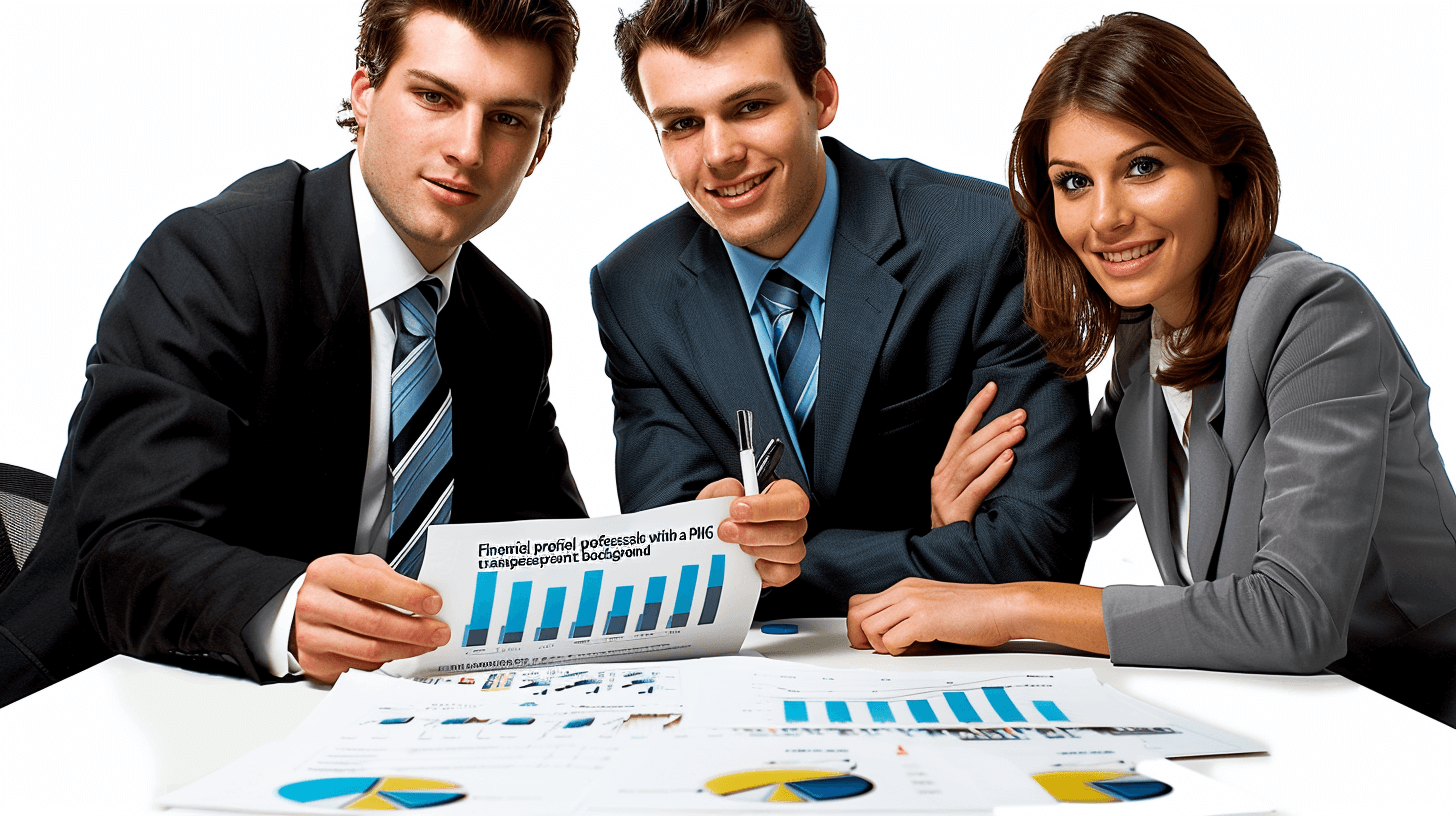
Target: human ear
361	93
826	93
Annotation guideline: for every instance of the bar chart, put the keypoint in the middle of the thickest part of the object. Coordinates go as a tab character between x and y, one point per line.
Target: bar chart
507	608
974	706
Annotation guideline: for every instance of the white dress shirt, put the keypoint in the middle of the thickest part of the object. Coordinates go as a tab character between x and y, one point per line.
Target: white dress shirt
390	269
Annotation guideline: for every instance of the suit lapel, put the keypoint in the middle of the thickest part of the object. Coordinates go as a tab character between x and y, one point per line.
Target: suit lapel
714	325
337	372
1142	433
863	293
1209	460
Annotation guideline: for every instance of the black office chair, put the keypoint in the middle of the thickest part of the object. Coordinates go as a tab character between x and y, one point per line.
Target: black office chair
24	497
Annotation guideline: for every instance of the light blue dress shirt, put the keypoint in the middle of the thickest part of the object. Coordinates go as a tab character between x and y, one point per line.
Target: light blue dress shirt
808	261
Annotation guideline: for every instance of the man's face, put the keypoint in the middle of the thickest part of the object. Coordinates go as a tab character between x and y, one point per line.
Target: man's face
740	136
448	134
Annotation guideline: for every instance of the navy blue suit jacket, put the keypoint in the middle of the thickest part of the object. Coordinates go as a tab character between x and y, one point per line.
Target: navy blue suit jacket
220	441
923	308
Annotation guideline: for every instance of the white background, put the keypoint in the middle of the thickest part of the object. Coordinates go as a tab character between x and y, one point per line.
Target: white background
118	114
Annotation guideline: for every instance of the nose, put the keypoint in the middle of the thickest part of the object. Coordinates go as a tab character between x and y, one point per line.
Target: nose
465	140
1110	212
721	145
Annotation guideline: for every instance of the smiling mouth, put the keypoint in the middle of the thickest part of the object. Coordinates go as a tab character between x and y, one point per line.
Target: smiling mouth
738	189
1131	254
448	187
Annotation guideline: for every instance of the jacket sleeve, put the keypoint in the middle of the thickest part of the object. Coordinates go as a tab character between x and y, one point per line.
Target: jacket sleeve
155	450
1329	379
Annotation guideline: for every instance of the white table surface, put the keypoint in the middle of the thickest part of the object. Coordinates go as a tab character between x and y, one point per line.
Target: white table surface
115	737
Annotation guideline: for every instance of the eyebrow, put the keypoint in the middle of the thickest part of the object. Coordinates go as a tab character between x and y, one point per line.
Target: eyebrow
666	112
451	88
1124	154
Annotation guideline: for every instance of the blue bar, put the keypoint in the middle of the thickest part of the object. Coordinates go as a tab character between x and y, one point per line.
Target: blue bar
795	711
923	712
551	617
1049	710
880	712
687	584
656	588
961	707
586	611
838	712
617	617
484	603
1005	709
715	590
516	618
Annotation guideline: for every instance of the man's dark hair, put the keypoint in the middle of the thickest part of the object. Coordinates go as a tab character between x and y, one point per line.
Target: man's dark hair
551	23
696	27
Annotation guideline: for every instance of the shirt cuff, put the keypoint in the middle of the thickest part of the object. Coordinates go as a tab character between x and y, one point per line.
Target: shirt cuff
267	633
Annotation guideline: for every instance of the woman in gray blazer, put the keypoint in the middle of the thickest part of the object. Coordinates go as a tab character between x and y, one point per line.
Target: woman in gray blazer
1262	412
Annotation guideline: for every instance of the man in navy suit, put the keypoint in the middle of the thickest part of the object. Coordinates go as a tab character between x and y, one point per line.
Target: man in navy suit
854	306
225	495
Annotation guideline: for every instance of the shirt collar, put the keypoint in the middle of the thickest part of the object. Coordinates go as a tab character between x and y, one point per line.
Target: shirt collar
389	267
808	260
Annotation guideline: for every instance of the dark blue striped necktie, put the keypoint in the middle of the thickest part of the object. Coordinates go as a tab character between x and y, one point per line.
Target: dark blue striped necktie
419	430
795	350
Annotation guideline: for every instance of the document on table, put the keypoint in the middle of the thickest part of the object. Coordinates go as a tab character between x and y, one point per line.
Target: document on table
748	691
648	585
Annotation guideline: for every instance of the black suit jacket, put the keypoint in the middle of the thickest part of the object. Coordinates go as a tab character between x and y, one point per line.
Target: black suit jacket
923	308
220	441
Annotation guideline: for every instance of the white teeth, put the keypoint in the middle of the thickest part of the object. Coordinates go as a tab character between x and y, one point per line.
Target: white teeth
1129	254
737	189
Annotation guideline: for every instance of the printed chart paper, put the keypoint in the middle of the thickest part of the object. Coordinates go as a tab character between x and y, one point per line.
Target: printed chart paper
747	692
649	585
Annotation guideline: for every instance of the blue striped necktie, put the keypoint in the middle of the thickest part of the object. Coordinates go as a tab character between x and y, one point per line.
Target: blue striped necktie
419	430
795	351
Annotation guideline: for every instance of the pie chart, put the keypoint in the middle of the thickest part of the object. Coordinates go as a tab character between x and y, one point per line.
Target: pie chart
373	792
789	785
1101	786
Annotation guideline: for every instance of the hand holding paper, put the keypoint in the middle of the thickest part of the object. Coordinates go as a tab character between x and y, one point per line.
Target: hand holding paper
769	526
343	619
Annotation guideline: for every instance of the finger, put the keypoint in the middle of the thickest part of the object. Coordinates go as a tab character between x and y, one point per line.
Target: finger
982	485
773	574
969	419
319	606
765	533
783	501
864	607
791	553
722	488
369	578
334	647
876	625
904	635
983	457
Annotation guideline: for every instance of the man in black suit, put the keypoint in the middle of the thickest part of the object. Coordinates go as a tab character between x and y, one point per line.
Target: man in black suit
226	492
902	283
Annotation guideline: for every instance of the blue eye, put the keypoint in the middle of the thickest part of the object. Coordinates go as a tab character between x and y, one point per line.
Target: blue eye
1143	166
1069	182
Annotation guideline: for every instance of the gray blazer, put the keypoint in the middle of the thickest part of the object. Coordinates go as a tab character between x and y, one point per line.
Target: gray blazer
1321	517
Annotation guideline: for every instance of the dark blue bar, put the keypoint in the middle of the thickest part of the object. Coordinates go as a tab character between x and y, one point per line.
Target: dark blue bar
687	584
617	617
880	712
1049	710
795	711
515	626
551	617
715	590
838	711
586	611
961	707
656	588
478	633
923	712
1005	709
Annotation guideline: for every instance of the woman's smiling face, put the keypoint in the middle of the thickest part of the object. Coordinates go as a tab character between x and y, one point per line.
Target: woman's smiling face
1142	217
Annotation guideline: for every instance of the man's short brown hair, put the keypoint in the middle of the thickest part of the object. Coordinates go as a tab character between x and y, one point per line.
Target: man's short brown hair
696	27
551	23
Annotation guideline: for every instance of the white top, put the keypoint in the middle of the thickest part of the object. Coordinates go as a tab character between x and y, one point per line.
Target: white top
390	269
1180	405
